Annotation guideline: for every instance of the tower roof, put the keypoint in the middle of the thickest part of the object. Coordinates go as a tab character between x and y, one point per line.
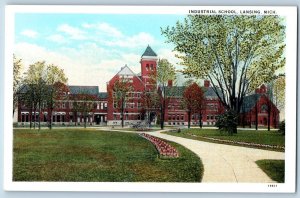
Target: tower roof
149	52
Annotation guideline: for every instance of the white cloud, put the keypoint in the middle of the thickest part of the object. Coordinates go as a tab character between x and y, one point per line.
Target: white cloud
29	33
57	38
137	40
104	28
74	33
87	65
170	55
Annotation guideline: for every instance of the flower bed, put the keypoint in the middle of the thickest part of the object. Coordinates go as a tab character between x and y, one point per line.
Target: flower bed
242	143
164	149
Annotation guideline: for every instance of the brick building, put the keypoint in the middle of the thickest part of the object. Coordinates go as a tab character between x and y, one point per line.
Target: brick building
258	107
65	111
139	83
176	115
104	110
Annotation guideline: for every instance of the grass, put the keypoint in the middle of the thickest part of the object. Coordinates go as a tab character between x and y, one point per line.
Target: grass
88	155
249	136
273	168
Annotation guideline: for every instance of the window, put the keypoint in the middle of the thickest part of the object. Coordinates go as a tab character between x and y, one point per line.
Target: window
105	105
264	108
211	117
101	106
151	67
147	67
63	104
207	117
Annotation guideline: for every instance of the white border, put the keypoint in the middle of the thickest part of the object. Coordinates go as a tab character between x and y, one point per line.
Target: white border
290	154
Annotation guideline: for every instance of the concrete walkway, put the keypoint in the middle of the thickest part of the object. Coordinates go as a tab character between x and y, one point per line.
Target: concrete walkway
225	163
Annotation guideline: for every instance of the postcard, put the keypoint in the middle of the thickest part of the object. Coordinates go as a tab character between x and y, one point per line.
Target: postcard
150	98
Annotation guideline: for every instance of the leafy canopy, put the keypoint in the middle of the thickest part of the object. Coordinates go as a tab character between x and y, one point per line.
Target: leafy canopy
236	53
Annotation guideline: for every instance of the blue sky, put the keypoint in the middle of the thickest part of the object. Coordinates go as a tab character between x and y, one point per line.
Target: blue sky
91	48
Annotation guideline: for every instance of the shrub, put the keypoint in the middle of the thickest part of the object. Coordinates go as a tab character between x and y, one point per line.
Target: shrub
228	122
282	127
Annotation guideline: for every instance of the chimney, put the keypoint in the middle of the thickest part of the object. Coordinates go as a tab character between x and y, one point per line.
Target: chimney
170	83
206	83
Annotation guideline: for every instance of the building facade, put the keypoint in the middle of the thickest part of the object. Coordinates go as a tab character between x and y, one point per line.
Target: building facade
258	108
75	106
85	104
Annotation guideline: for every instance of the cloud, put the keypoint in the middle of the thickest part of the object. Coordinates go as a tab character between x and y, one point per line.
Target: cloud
29	33
108	35
170	55
137	40
88	64
104	28
57	38
74	33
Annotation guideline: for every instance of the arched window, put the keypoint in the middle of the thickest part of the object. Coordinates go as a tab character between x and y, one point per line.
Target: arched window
264	108
147	67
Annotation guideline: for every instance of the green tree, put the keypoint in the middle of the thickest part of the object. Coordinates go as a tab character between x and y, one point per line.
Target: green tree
236	53
279	92
35	80
150	103
165	72
121	89
43	84
17	81
85	104
56	88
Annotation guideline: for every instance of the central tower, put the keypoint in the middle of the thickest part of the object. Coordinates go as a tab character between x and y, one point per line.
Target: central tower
148	66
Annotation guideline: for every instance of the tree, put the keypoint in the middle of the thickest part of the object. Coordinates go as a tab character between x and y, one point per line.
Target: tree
17	81
121	88
44	85
165	72
55	80
279	92
193	101
84	104
150	103
36	88
236	53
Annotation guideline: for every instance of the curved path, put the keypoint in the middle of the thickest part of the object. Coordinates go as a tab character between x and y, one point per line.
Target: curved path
226	163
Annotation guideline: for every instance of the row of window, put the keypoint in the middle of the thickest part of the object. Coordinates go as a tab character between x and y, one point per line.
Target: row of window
131	94
194	116
129	105
192	123
151	67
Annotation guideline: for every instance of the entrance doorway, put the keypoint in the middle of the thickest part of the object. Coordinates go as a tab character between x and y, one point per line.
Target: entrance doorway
97	119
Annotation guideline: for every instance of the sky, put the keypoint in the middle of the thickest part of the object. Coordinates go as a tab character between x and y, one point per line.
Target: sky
91	48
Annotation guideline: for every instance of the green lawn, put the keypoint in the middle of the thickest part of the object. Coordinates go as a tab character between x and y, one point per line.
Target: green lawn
90	155
248	136
273	168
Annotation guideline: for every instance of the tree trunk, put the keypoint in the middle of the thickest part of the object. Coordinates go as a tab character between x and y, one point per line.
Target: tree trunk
30	118
256	116
269	118
200	120
122	113
50	120
189	119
